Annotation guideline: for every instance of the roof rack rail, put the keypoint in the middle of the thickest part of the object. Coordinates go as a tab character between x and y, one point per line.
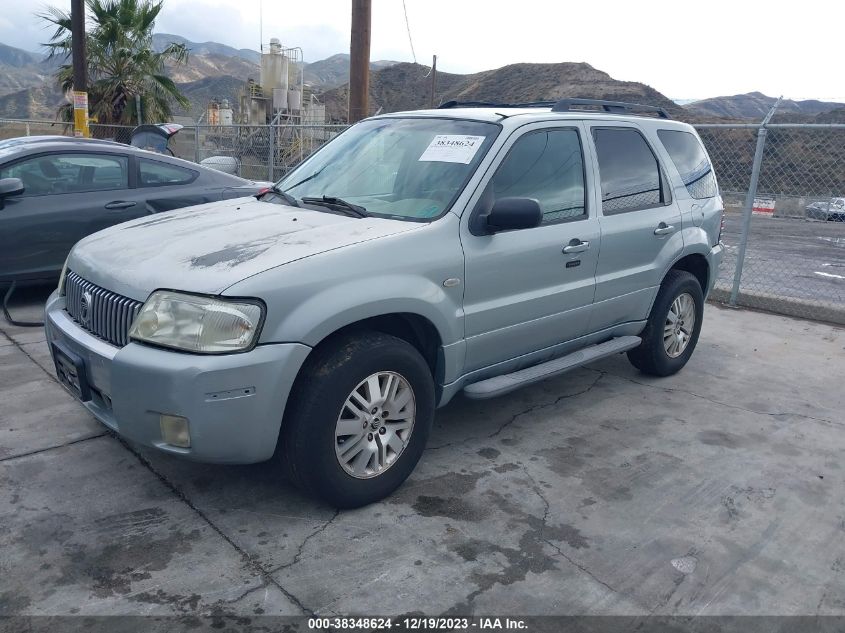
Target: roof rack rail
563	105
615	107
489	104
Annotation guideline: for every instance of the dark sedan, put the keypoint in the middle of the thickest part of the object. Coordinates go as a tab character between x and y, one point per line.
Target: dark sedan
56	190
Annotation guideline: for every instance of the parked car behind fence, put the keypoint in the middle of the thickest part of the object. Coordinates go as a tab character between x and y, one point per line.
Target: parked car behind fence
832	210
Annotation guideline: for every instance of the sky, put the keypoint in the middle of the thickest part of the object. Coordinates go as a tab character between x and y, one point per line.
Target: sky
683	49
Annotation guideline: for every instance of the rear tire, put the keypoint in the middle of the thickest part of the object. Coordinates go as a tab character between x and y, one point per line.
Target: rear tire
336	442
668	338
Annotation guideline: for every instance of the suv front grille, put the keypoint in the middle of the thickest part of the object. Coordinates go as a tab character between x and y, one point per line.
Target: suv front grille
106	314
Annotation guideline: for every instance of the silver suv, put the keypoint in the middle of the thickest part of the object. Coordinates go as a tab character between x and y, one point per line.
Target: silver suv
474	248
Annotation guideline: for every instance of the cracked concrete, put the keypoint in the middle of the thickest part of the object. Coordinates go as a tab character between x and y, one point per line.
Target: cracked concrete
715	491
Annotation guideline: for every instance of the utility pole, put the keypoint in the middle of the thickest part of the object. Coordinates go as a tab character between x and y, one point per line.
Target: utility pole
359	60
433	103
80	68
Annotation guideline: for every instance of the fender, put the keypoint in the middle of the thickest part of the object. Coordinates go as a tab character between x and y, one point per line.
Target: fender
311	298
695	243
310	321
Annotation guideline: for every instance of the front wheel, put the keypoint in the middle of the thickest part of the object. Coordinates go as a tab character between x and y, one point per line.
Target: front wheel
672	330
359	419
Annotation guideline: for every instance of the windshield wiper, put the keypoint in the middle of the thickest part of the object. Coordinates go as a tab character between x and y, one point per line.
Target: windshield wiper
285	195
340	204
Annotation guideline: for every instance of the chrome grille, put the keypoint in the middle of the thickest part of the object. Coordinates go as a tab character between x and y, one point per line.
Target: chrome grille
106	314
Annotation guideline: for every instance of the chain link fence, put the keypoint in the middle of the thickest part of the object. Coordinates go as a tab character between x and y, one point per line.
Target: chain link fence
791	221
256	152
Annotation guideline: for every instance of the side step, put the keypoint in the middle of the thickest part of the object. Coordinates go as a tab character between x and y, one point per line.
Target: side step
500	385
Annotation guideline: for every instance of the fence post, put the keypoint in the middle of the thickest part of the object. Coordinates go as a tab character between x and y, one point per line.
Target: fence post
197	143
749	201
271	158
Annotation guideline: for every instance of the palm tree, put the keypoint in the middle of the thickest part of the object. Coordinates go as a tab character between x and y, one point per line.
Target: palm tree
121	61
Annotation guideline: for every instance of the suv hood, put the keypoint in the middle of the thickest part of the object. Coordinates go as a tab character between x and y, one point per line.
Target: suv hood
209	247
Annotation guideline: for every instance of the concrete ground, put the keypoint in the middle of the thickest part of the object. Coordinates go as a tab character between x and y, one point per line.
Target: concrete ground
716	491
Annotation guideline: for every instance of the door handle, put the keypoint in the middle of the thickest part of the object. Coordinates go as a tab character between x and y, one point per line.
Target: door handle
664	229
576	246
120	204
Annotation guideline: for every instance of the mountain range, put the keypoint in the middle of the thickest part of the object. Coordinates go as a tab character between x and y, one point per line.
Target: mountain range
406	86
755	105
218	71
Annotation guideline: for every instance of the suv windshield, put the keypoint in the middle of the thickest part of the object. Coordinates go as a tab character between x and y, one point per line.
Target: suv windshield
401	168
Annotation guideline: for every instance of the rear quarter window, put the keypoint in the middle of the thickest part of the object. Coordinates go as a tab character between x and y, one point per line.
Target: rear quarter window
155	174
692	163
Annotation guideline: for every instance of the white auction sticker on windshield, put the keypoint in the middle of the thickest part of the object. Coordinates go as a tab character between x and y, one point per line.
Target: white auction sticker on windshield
452	148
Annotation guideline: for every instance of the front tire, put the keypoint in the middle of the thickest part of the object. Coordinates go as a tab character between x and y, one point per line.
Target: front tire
673	327
358	420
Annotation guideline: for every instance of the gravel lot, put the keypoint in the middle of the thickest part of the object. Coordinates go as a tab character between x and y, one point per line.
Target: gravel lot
716	491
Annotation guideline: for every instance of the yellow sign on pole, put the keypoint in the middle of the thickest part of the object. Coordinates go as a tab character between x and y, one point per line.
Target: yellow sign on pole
80	114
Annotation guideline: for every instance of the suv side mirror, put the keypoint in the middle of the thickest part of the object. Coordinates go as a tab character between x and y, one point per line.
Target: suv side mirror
510	214
10	187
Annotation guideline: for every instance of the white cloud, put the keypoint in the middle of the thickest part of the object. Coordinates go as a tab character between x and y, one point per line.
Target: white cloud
681	49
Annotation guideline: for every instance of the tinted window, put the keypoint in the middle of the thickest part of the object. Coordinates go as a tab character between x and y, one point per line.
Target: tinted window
686	152
548	166
69	173
153	174
630	174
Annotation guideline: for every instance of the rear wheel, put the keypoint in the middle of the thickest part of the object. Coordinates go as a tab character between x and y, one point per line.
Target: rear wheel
673	327
359	419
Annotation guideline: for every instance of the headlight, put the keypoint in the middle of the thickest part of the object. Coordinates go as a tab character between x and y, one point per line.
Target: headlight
197	324
62	278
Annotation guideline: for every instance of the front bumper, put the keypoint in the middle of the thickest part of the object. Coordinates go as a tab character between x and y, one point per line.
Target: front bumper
234	402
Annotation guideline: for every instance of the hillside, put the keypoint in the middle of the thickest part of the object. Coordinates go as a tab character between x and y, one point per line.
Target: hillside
755	105
406	87
213	71
213	65
833	116
212	59
16	57
334	71
20	69
202	91
36	102
161	40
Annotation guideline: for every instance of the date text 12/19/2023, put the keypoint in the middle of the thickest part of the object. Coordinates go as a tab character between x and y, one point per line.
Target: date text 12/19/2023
416	624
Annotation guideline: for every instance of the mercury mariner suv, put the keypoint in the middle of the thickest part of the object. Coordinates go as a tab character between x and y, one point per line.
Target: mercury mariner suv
473	248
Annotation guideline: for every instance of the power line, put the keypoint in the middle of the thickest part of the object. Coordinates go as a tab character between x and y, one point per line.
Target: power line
408	27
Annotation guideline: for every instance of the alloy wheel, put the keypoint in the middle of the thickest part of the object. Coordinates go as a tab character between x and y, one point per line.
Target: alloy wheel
680	323
375	424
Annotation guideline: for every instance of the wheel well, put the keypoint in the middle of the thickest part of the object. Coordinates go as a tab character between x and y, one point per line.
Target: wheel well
412	328
697	266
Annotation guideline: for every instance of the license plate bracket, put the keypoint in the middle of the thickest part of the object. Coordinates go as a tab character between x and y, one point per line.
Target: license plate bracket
70	369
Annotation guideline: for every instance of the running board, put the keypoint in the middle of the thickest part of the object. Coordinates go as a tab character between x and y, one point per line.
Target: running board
500	385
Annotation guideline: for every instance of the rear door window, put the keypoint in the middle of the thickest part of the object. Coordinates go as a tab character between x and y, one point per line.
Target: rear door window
692	163
631	178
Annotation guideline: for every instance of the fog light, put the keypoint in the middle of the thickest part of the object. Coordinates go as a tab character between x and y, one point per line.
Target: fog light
174	430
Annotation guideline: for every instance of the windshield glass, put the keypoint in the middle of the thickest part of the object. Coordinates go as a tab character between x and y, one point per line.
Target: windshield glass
393	167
